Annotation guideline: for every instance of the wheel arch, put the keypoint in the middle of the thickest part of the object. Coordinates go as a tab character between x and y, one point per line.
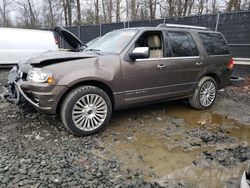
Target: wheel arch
95	83
215	77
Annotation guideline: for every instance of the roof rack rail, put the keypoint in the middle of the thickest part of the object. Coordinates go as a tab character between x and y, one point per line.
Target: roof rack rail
183	26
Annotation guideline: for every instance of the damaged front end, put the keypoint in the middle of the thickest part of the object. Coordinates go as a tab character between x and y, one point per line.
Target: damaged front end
13	93
24	92
35	81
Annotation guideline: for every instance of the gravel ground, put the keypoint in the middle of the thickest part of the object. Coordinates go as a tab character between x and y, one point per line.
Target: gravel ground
37	151
228	156
240	93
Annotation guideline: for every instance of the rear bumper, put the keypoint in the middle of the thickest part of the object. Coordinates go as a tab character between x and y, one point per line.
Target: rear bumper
225	78
44	97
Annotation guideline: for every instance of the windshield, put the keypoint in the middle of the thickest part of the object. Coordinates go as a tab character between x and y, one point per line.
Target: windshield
112	42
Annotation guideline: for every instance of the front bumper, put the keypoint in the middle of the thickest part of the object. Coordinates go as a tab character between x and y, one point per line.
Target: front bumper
43	96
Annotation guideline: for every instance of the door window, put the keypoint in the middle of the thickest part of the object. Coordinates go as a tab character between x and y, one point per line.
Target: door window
152	40
182	44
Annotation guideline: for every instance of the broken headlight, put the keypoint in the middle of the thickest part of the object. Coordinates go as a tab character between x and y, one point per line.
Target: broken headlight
39	75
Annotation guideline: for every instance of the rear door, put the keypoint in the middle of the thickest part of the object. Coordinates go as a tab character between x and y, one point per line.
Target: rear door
217	55
185	64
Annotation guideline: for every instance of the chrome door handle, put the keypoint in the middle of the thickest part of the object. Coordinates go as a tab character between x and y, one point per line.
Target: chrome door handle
161	66
199	63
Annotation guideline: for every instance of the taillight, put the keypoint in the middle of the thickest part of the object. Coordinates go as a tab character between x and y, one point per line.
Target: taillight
230	64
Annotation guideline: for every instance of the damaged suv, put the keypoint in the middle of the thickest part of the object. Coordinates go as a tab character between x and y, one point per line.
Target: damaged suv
124	68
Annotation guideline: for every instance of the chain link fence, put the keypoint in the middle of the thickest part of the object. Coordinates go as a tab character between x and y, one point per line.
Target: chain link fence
235	26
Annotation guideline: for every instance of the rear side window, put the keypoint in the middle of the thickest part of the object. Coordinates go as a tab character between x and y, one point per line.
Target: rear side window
214	43
182	44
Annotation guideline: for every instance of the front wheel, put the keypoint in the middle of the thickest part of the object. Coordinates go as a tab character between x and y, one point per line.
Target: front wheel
86	110
204	94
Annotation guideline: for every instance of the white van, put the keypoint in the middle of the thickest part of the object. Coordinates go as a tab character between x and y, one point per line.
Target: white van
17	44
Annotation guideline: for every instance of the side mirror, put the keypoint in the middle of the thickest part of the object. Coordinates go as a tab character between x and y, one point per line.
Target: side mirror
140	53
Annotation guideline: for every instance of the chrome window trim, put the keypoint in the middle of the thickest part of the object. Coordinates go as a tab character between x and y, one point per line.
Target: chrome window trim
219	55
167	58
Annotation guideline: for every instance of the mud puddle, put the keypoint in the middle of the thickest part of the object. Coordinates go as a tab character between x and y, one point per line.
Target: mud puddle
164	142
211	121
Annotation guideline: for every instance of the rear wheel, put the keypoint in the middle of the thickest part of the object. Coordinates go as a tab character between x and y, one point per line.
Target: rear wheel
86	110
204	94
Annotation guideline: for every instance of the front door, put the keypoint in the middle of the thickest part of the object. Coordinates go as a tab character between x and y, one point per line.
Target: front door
144	79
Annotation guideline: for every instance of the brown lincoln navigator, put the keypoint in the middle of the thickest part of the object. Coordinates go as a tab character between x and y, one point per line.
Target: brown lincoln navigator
121	69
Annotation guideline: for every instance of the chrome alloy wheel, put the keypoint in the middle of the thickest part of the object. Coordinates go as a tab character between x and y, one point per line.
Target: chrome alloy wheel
207	93
89	112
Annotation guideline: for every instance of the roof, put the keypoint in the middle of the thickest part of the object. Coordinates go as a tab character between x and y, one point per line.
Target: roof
174	27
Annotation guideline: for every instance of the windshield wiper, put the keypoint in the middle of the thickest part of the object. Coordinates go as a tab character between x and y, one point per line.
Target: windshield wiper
83	47
94	50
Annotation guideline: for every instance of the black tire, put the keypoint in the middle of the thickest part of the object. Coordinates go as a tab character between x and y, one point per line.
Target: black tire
71	102
195	100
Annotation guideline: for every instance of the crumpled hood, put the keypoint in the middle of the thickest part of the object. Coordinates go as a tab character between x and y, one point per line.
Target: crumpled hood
49	58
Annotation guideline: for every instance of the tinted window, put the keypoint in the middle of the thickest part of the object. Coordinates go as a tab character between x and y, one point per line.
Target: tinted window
214	43
182	44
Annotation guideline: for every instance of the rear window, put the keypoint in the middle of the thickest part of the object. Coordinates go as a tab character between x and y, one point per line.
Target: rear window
214	43
182	44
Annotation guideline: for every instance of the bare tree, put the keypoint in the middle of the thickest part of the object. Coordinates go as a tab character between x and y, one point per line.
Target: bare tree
49	13
110	10
78	7
171	8
4	13
144	11
69	10
185	7
97	10
89	17
152	8
67	6
33	19
104	11
52	13
51	21
127	9
233	5
179	8
28	14
133	9
190	6
65	11
117	11
214	6
200	6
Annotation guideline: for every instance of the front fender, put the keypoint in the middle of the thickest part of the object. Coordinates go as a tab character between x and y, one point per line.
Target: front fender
78	76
